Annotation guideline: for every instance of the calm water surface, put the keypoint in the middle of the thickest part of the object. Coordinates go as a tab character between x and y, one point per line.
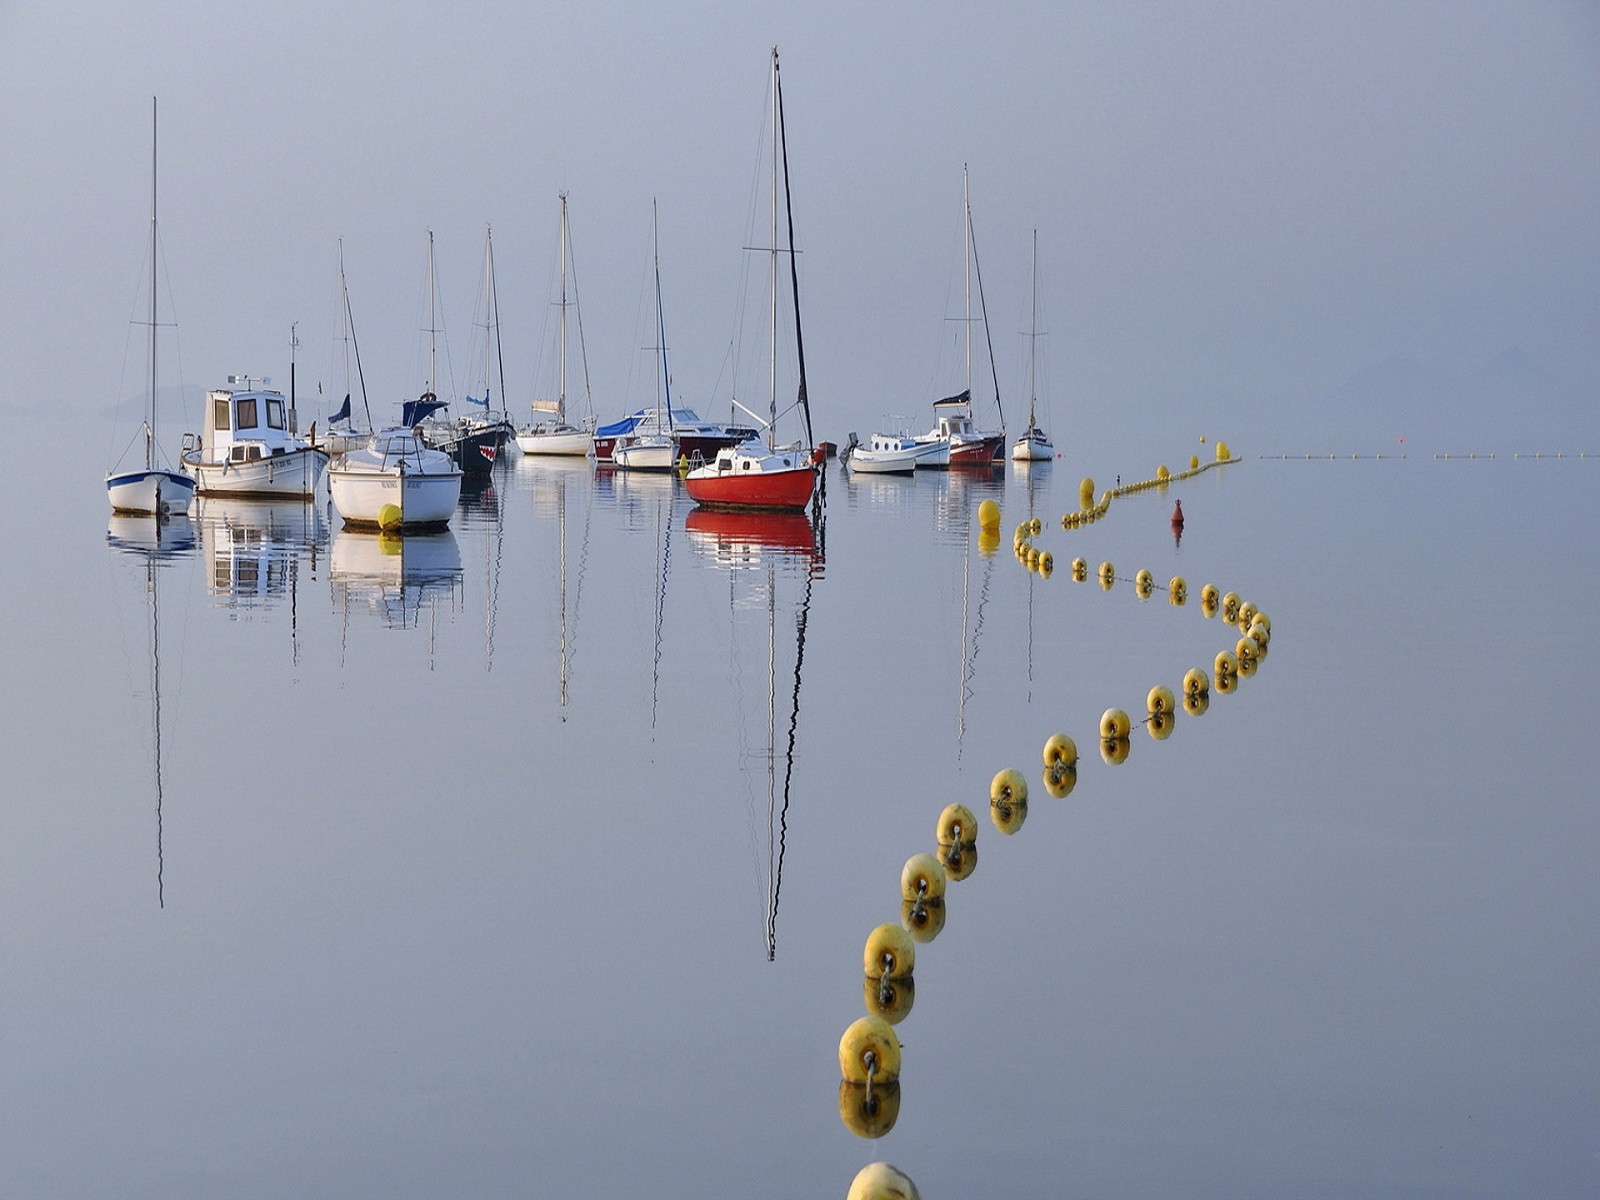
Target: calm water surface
536	857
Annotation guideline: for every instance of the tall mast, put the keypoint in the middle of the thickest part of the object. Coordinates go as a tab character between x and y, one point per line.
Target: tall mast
1033	336
432	323
561	392
661	321
794	270
150	427
966	212
772	370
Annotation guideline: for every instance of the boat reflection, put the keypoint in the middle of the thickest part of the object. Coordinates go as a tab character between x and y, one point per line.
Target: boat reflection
395	577
745	540
156	543
255	548
757	549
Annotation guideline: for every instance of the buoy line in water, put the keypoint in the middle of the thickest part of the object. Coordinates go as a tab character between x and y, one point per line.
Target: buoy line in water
869	1050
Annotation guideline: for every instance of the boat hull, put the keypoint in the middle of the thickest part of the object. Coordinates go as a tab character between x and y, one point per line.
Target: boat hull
1032	449
771	490
149	492
566	443
425	501
978	452
292	474
882	462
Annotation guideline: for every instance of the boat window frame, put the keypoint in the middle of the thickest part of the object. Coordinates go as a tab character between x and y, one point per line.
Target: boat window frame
221	414
276	416
243	406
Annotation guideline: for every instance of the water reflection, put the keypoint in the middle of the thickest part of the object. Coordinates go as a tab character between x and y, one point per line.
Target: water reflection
156	544
394	577
255	548
757	550
551	481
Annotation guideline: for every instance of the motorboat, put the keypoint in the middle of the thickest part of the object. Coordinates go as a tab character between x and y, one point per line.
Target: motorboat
888	454
245	448
394	482
652	452
955	437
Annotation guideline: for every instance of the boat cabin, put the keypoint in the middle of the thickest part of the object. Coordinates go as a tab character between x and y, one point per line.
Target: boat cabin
243	426
954	417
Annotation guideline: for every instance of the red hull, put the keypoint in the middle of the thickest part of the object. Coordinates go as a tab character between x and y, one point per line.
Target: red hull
976	454
770	490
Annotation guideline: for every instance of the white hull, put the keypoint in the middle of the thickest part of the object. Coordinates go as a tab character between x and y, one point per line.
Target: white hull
149	492
396	471
294	474
868	462
569	442
933	452
647	454
1032	449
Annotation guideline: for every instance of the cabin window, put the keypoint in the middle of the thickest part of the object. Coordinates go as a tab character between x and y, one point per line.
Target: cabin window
237	454
244	414
275	412
219	414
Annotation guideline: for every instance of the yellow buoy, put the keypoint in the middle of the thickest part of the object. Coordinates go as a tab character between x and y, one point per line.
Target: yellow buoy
1159	700
1230	608
1196	682
1144	583
1178	590
869	1112
924	919
1227	683
1114	723
1115	750
1196	703
923	877
1247	650
960	860
1036	527
1247	667
1007	786
890	999
1086	488
1246	612
1080	570
1194	462
889	951
1047	564
869	1049
1108	575
956	824
1227	663
390	517
1060	750
988	515
882	1181
1222	452
1160	725
1163	474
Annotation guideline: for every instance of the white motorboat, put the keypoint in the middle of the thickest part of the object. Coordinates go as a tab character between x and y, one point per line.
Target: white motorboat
652	452
395	482
245	447
890	454
150	490
551	433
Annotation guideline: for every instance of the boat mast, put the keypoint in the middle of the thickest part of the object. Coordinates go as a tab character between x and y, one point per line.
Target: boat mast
966	216
1033	339
772	369
661	322
432	331
149	429
350	341
494	317
561	390
794	271
294	342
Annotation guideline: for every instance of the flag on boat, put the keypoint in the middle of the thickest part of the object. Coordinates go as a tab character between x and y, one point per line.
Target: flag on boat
344	410
484	403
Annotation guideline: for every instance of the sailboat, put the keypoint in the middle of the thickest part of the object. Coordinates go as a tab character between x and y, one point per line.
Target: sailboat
556	435
759	474
954	425
656	450
339	440
472	442
150	490
1034	445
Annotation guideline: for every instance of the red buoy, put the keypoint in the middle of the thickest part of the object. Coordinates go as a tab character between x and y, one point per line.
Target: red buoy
1177	514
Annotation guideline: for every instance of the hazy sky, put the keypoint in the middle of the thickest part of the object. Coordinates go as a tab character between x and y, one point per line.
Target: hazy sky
1239	205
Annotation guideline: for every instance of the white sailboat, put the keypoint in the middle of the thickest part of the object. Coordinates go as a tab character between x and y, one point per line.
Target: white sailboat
657	451
150	490
1034	445
554	434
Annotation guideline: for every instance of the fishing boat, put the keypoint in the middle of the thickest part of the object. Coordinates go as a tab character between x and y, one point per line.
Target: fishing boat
551	432
759	474
247	446
153	489
1034	445
954	424
887	454
395	482
656	450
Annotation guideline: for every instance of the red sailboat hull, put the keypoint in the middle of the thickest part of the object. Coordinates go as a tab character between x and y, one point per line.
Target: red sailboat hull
774	491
